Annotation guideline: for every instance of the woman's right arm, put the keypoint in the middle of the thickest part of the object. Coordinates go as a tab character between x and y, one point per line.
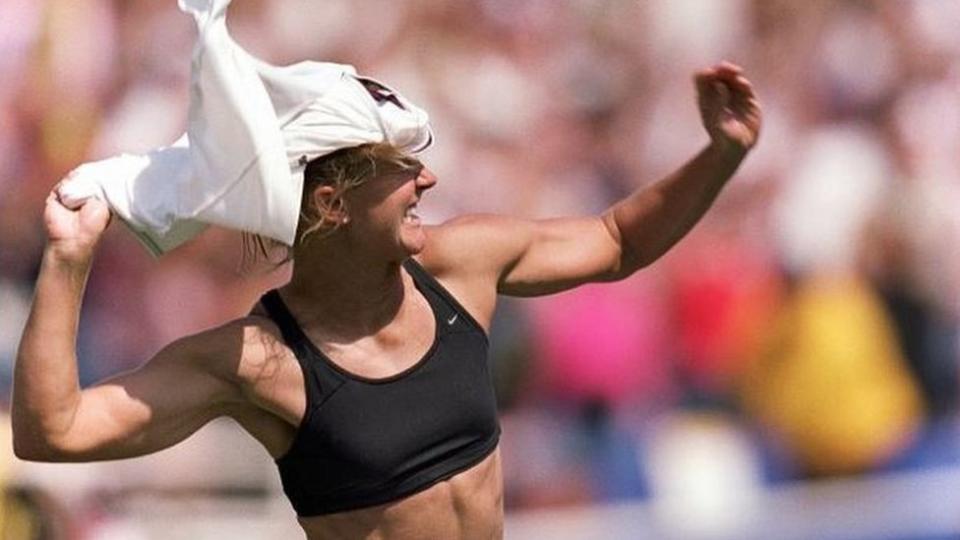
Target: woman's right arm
163	402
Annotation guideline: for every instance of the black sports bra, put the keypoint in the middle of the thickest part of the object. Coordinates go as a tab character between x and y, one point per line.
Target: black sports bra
364	442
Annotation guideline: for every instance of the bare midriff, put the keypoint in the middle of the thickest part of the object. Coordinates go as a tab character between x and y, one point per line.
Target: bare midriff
466	506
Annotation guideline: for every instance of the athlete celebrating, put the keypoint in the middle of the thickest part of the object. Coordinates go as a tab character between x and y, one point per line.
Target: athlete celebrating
366	375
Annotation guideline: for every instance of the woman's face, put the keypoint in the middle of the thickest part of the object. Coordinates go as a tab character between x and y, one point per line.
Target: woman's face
383	213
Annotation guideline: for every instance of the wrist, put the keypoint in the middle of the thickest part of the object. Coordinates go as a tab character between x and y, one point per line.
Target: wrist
68	256
727	151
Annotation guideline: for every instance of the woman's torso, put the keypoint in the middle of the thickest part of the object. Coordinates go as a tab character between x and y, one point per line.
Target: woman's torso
467	504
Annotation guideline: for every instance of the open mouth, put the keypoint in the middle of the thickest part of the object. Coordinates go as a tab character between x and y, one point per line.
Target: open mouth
410	216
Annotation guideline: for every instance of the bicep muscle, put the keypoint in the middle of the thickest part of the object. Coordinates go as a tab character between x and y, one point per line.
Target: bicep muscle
559	254
151	408
527	257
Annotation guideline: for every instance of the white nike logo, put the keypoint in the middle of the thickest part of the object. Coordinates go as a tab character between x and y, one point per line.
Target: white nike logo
453	319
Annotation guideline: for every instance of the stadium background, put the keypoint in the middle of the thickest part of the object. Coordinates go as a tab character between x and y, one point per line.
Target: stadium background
789	370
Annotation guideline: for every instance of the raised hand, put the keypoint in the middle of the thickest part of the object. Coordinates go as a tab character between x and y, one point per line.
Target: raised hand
728	106
75	233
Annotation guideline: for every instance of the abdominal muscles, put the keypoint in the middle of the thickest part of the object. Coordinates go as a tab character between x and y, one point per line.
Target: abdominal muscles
467	506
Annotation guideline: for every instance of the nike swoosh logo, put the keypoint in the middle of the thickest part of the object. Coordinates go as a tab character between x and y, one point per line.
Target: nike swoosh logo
453	319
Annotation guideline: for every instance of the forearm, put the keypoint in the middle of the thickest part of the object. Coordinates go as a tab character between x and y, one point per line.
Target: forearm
651	220
46	390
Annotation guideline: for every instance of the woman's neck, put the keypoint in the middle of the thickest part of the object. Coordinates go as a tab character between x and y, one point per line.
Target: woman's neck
344	295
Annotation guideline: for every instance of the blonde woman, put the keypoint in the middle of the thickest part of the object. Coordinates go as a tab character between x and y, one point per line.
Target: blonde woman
366	375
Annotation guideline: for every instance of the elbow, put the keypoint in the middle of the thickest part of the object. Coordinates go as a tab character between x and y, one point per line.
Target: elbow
628	264
626	256
28	450
30	446
43	453
639	263
636	256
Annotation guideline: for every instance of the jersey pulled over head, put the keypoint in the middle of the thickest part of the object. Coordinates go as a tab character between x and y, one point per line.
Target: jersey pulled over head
252	127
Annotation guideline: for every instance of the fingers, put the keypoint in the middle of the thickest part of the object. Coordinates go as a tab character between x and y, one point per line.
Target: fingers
53	198
70	195
728	74
728	104
724	87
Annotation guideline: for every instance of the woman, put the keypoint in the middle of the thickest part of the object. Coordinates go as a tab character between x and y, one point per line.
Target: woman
365	375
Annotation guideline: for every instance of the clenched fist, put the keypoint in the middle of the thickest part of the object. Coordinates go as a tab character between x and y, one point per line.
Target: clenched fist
75	233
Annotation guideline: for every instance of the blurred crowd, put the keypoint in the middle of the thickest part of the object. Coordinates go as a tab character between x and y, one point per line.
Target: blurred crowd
808	327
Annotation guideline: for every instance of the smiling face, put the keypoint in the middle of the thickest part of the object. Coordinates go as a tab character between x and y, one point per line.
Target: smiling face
363	199
382	213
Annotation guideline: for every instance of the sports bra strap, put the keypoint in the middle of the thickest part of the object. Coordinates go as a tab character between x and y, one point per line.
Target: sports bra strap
319	379
278	311
424	278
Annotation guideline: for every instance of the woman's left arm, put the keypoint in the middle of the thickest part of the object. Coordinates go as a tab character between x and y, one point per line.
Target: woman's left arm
531	258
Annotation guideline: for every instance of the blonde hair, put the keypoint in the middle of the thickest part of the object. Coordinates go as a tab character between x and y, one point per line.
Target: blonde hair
342	170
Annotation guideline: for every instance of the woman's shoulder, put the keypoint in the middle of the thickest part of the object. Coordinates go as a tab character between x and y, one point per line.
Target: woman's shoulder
257	323
237	347
461	244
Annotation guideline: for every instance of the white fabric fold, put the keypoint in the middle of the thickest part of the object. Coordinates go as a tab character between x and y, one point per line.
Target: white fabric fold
251	128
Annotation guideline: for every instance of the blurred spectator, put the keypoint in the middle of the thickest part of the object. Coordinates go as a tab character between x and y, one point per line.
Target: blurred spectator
831	382
601	344
28	513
